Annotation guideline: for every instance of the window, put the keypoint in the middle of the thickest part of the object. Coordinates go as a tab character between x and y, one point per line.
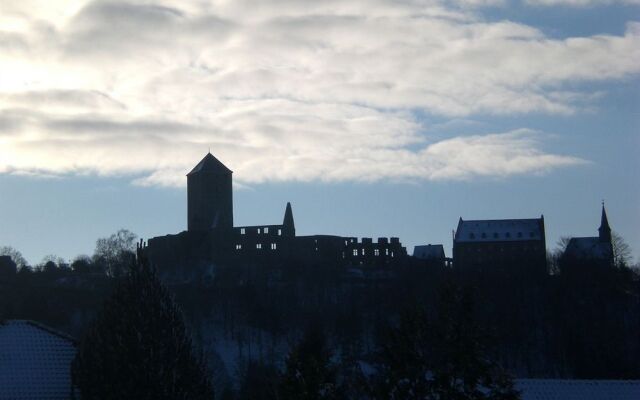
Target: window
508	234
472	236
258	231
392	254
386	252
495	235
355	252
259	246
266	230
238	247
273	246
362	251
242	231
346	242
376	252
519	234
279	232
484	235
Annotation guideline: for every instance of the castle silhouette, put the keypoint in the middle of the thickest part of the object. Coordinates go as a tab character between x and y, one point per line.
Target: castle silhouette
211	240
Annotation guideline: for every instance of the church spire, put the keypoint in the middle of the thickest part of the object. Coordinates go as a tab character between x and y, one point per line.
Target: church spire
604	230
288	225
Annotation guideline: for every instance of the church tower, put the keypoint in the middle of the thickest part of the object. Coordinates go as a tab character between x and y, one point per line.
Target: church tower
209	196
604	230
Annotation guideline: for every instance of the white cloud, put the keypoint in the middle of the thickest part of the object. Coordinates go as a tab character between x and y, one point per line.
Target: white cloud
284	90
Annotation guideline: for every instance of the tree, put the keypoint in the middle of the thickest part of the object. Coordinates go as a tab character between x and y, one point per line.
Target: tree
15	255
115	252
50	263
443	358
621	251
138	346
309	372
561	244
258	381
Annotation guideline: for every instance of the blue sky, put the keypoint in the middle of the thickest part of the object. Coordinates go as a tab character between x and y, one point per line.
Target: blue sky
374	118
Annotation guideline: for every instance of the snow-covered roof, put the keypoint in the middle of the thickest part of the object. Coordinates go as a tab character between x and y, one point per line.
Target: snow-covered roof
429	252
588	248
35	361
500	230
573	389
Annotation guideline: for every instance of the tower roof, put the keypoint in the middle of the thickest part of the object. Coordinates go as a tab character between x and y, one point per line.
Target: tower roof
604	221
288	217
210	164
500	230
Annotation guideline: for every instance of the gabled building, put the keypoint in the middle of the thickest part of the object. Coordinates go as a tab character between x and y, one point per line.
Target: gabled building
500	245
596	249
35	362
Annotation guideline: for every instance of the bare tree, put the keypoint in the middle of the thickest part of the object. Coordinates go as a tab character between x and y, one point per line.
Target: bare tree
115	251
621	250
561	244
50	262
15	255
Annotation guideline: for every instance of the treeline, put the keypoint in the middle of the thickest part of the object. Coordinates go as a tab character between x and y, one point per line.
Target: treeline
581	323
252	322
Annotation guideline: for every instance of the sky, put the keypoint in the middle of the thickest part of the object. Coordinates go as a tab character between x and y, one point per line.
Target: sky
374	118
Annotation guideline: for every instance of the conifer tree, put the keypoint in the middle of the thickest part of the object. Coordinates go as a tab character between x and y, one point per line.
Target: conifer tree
138	346
441	358
309	373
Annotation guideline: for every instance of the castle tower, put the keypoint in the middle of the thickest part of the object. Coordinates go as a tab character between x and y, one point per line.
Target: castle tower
604	230
288	226
209	196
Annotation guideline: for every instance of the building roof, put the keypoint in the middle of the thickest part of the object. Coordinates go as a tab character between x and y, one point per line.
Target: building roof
500	230
604	221
573	389
429	252
210	164
288	217
35	361
588	248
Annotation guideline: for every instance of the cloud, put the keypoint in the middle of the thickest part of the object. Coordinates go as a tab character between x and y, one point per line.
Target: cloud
288	91
304	142
580	3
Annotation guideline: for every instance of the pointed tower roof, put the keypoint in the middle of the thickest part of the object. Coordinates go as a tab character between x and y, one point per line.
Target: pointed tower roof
288	217
210	164
604	232
604	221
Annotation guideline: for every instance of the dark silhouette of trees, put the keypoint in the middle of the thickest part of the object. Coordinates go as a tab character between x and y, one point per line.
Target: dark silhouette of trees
138	346
309	373
7	267
114	252
15	255
259	381
443	357
621	251
50	263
